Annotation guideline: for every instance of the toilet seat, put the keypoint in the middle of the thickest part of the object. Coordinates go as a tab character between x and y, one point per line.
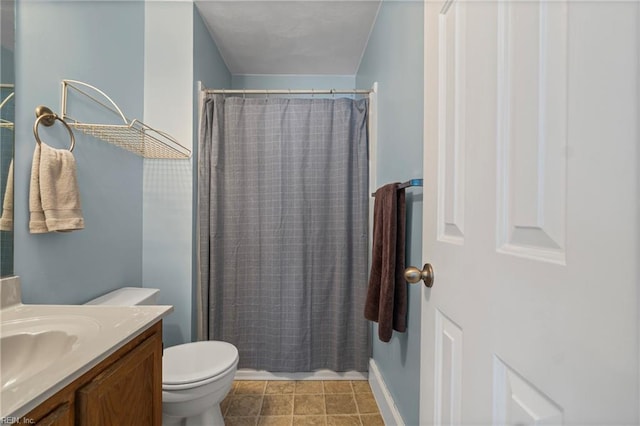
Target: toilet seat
200	384
195	364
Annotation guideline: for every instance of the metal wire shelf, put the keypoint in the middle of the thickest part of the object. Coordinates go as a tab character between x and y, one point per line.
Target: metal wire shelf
4	123
132	135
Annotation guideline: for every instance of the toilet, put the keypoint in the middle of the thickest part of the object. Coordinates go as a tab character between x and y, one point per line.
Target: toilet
195	376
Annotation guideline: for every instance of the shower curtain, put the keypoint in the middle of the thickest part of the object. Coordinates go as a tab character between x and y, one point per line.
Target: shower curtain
283	211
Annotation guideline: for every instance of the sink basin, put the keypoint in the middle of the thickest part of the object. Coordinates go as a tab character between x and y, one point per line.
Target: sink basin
26	354
31	346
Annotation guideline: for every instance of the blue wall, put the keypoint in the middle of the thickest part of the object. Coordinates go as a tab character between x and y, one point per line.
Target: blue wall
208	65
77	40
261	81
394	58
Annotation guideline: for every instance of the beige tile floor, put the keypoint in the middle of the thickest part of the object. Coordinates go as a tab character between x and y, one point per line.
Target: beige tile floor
293	403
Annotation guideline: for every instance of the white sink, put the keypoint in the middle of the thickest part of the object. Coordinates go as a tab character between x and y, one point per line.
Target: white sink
31	346
24	355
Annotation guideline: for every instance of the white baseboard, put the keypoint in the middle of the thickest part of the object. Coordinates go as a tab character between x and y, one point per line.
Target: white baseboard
387	405
250	374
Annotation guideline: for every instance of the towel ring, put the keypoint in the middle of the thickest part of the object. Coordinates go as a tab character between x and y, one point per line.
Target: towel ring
48	118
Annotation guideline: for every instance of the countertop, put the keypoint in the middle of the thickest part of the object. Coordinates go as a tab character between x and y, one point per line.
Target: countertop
100	331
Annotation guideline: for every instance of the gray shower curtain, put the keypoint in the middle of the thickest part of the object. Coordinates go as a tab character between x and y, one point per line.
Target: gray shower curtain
283	208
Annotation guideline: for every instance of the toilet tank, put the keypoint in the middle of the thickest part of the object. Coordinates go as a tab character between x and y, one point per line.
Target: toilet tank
128	296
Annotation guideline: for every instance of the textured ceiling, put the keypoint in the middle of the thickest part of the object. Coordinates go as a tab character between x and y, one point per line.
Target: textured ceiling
290	37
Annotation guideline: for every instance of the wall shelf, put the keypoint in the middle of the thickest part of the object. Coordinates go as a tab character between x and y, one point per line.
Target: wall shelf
132	135
4	123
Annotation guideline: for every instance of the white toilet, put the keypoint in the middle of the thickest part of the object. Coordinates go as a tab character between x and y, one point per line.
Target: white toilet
195	376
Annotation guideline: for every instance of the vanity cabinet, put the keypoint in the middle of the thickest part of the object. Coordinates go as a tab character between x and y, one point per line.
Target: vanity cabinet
124	389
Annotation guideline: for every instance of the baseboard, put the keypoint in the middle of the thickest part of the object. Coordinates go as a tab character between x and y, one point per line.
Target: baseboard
386	404
249	374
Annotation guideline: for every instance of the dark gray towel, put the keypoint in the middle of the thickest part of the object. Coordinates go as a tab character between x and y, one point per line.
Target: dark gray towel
387	295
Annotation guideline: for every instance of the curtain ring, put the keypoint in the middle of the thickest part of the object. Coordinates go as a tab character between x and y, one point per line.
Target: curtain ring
312	92
333	93
48	118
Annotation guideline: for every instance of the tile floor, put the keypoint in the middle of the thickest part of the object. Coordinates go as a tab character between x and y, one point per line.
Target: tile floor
308	402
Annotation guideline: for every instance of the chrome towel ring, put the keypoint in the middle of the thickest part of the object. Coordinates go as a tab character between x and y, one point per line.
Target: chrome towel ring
48	118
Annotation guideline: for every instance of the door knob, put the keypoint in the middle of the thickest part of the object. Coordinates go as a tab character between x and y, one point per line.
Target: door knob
413	274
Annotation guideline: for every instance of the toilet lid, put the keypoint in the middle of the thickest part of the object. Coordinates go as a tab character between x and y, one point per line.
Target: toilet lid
197	361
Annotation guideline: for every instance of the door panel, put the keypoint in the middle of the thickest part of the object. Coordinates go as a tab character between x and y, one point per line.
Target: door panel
532	129
448	374
451	137
518	402
531	215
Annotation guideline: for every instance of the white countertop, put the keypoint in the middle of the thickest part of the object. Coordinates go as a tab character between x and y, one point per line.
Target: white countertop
100	331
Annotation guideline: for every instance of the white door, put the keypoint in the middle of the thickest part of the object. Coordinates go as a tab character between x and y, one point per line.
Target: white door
531	213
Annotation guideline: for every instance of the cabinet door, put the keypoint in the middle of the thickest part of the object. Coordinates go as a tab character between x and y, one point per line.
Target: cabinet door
61	416
127	393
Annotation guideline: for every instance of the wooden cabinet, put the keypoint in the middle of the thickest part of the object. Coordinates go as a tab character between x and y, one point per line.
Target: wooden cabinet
124	389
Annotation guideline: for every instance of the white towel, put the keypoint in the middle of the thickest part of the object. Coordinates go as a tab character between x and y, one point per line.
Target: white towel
6	221
54	198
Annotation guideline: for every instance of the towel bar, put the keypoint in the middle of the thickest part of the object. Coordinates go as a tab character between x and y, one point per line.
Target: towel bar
407	184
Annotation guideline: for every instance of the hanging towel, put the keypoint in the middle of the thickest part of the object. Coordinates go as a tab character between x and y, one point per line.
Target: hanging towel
6	221
54	198
387	295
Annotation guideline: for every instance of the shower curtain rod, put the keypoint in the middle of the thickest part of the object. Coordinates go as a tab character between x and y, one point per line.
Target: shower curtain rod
287	92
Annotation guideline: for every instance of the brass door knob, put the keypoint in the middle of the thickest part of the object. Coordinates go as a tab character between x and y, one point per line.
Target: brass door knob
413	275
